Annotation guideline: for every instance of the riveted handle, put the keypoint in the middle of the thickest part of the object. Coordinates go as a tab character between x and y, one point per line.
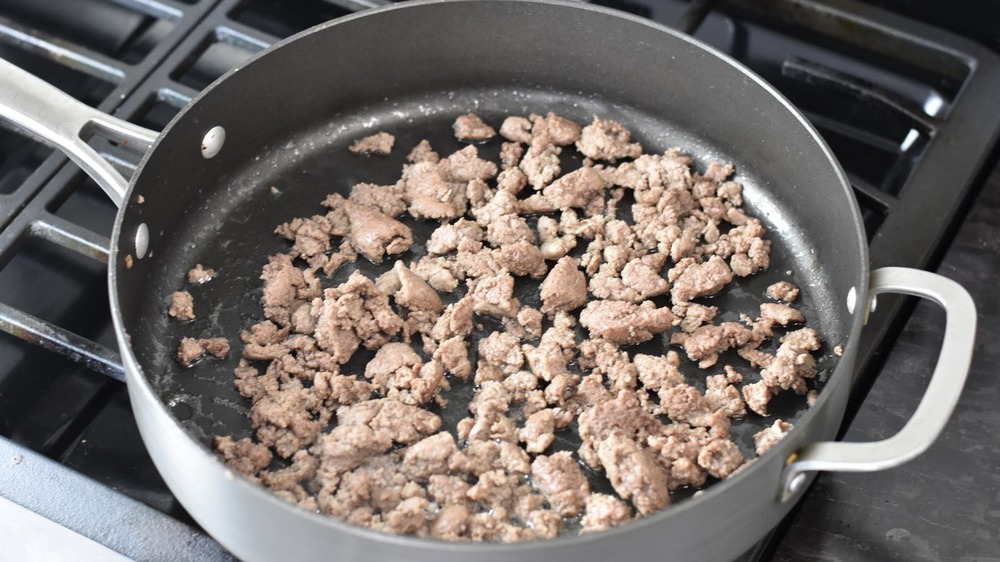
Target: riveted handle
60	121
935	407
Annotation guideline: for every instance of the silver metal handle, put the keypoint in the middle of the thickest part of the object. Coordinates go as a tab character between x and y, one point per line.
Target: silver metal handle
60	121
935	407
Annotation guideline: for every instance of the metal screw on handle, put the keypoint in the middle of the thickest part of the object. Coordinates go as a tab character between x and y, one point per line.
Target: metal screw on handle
935	407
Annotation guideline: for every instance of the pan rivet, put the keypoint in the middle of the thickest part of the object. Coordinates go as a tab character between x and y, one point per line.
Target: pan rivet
852	300
141	240
796	484
213	141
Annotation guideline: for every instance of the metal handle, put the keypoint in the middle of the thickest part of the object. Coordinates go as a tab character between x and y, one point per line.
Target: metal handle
935	407
59	120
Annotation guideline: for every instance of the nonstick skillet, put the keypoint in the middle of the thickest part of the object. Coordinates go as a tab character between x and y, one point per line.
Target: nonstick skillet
202	194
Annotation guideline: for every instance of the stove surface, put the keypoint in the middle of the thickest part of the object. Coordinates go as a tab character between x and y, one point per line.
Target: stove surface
908	108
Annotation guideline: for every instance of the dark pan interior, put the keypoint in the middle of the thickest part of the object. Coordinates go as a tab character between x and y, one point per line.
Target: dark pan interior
291	114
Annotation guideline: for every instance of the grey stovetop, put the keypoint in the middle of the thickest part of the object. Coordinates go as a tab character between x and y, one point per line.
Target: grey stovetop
944	505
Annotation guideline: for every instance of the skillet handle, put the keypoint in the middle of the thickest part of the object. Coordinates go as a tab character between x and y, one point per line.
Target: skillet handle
62	122
938	401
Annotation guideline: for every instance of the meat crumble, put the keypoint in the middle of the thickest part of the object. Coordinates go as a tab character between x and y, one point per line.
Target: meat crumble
542	295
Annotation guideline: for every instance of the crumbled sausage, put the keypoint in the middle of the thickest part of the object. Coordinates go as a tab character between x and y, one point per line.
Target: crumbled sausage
766	438
655	236
559	478
244	455
634	473
374	234
565	287
625	322
602	512
605	139
386	198
200	274
470	127
191	350
181	306
380	143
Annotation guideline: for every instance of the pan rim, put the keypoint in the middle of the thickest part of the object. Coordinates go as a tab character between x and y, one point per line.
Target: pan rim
139	382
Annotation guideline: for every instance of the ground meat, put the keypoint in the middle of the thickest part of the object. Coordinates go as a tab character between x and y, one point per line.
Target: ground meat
494	296
462	234
245	456
658	372
559	478
793	361
429	456
374	234
414	293
454	357
691	279
386	463
605	139
470	127
537	432
575	189
430	192
622	414
386	198
380	143
634	473
540	165
565	287
348	446
624	322
289	419
409	517
451	522
181	306
502	350
766	438
353	313
200	275
191	350
516	129
707	342
558	130
720	458
423	153
602	512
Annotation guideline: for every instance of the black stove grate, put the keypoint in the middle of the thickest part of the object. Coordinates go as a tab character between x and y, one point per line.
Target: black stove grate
907	108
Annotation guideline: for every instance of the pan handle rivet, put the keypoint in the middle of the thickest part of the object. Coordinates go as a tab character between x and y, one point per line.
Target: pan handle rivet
141	240
796	484
213	141
852	300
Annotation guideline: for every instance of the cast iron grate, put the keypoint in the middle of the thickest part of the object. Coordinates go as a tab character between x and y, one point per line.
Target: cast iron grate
907	109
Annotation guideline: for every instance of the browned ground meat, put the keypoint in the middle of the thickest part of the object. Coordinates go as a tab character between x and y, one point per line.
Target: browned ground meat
783	291
559	478
604	511
625	322
200	274
605	139
565	287
491	311
379	143
766	438
181	306
191	350
470	127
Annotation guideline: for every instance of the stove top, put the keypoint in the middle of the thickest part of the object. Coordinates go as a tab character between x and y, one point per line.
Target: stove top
908	108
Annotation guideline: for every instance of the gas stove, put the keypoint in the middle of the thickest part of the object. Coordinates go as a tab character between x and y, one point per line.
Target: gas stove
905	97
